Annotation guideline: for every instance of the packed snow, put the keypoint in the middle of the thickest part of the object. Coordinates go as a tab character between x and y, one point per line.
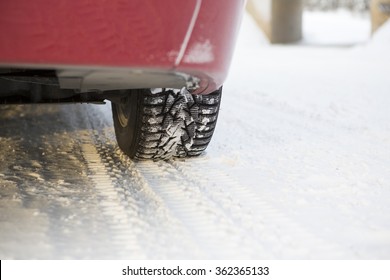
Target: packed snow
299	166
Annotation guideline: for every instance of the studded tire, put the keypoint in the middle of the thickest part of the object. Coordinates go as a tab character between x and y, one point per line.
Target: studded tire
166	124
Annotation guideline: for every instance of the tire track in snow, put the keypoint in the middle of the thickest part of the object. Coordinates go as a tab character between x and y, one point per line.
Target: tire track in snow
118	215
176	209
122	219
270	229
161	234
215	207
121	212
215	232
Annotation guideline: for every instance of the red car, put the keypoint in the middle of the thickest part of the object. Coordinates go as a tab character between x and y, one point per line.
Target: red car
160	62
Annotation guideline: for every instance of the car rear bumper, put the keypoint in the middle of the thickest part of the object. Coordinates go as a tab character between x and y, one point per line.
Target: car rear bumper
122	44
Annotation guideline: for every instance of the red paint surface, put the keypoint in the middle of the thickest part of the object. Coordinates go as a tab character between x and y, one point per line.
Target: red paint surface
218	22
117	33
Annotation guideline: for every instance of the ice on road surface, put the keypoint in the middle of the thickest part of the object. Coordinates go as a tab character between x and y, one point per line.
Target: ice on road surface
299	168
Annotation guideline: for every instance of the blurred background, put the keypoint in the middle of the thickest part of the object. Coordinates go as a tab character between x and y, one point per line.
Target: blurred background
326	5
326	22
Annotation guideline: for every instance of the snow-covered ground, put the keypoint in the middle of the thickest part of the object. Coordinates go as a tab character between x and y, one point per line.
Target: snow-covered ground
299	166
337	28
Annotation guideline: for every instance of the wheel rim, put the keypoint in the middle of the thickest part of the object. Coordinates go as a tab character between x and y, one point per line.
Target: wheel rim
123	112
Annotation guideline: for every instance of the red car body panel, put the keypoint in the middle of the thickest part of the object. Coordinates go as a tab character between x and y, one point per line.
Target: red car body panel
195	37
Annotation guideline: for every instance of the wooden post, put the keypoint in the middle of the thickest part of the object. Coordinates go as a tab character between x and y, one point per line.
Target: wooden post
380	13
281	20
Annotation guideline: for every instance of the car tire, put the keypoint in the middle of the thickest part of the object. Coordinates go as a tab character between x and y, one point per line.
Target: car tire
170	123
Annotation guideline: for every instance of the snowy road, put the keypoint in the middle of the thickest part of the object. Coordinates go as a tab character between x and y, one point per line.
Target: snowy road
299	168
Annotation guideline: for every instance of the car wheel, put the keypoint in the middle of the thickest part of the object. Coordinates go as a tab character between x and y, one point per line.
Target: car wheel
170	123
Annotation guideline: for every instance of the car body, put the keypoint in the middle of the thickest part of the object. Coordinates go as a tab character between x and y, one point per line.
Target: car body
90	51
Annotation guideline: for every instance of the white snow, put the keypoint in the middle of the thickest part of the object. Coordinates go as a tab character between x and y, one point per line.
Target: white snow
298	167
199	53
340	28
308	129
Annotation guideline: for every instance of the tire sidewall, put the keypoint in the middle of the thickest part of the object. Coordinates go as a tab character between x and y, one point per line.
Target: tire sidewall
127	135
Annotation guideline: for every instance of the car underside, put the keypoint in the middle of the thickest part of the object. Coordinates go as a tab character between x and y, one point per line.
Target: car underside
23	86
